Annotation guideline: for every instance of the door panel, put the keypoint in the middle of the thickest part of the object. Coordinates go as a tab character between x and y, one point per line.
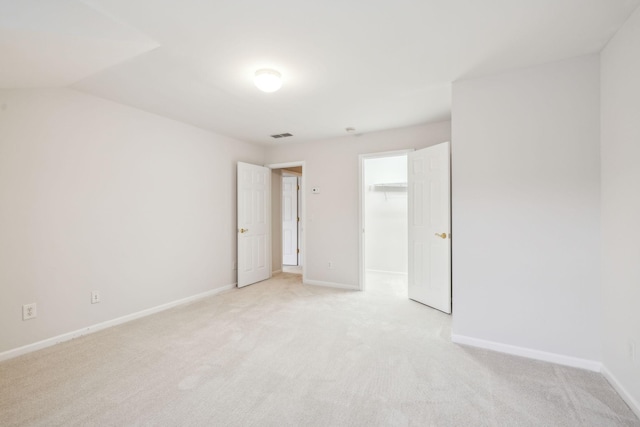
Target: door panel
254	225
429	217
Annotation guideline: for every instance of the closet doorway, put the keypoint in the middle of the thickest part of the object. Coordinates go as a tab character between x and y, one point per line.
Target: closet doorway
384	208
405	206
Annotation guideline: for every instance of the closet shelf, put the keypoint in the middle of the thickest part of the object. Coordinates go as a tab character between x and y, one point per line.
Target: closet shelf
396	187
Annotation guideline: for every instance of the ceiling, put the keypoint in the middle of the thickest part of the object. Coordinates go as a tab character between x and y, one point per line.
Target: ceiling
366	64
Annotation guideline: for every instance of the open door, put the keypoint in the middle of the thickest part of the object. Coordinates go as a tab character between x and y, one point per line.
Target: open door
430	227
254	223
290	220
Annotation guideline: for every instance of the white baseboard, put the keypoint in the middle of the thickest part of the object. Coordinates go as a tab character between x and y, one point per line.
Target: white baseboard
276	272
560	359
330	284
626	396
9	354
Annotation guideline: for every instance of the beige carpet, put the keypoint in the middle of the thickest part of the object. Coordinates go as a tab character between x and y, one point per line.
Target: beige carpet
295	269
280	353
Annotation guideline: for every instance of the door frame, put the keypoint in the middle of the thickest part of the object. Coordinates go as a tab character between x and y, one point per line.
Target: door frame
303	205
361	160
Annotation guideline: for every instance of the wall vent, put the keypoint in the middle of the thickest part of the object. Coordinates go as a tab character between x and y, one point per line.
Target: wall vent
282	135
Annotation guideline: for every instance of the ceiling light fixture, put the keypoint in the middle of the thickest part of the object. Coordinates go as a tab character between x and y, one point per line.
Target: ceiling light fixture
268	80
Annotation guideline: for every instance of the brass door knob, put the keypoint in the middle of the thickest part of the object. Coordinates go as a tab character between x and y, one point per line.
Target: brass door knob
442	235
243	230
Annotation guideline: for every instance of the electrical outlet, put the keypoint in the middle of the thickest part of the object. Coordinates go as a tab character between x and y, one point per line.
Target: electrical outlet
330	265
633	354
29	311
95	297
234	267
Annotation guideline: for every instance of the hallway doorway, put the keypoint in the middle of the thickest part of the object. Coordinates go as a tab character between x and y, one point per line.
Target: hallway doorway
288	213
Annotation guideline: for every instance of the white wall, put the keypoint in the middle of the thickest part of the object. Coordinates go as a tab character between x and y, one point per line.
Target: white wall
95	195
621	207
526	211
332	217
385	214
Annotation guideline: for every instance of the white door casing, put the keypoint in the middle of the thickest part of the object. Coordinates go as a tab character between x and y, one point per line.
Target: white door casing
290	220
300	211
430	226
254	223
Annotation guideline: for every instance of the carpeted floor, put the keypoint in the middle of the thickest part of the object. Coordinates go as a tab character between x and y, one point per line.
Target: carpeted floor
279	353
295	269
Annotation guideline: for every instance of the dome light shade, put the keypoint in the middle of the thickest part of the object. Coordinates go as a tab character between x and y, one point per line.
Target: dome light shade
268	80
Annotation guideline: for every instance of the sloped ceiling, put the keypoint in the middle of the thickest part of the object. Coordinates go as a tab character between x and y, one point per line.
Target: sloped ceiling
57	43
365	64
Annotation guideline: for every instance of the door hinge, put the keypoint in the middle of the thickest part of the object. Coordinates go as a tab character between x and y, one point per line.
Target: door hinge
298	219
297	187
297	251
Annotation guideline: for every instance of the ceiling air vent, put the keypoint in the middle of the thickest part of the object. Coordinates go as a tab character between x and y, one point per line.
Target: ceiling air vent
281	135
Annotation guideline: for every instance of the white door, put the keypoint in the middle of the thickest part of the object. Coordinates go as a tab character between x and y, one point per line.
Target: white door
430	227
254	223
290	220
